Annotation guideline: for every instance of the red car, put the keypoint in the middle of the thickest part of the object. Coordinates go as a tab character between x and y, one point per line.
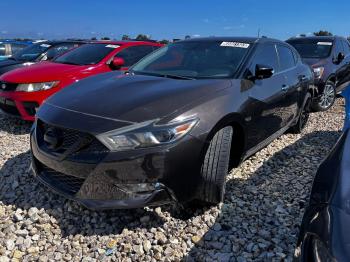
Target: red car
23	90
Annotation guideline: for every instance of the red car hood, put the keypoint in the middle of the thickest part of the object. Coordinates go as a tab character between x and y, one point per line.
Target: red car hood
47	71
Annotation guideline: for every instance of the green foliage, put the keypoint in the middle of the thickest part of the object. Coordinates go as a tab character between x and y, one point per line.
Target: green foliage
323	33
142	37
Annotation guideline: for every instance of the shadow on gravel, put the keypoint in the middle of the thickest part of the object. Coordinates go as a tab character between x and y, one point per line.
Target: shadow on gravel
261	215
13	125
20	189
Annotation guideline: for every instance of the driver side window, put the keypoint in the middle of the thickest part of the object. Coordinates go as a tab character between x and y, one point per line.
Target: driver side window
266	54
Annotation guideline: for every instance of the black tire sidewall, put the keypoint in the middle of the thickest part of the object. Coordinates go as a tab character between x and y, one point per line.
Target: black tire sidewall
316	106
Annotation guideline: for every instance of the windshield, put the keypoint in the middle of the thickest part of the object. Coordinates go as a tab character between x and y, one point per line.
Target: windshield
88	54
202	59
32	52
313	48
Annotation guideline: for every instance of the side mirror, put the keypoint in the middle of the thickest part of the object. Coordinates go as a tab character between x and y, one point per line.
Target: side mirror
263	72
117	62
340	57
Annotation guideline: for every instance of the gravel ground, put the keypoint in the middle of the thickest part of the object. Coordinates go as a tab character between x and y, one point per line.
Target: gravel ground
259	219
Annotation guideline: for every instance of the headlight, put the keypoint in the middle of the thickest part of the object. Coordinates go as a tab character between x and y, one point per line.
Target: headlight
36	86
146	134
318	72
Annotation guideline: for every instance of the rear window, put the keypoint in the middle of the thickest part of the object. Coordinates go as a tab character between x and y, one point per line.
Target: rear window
312	48
32	52
17	47
286	57
2	49
88	54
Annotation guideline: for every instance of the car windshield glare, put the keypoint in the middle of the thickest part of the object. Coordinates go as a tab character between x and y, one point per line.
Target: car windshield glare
88	54
192	59
32	52
313	48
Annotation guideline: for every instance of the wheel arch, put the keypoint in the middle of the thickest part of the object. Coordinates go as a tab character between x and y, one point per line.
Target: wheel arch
238	143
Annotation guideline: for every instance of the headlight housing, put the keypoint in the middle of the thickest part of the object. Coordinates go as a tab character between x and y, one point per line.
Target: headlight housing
146	134
318	72
33	87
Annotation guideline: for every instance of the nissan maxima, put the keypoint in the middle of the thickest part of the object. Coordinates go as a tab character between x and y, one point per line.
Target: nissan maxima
170	127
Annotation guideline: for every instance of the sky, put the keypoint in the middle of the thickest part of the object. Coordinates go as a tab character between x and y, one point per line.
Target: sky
162	19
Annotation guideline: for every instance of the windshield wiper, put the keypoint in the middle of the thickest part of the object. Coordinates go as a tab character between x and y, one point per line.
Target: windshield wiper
164	75
67	63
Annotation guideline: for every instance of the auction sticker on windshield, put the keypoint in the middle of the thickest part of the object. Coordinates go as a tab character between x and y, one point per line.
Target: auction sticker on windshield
113	46
235	44
325	43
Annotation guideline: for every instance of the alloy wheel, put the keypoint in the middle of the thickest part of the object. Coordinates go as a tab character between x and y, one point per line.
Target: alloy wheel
328	96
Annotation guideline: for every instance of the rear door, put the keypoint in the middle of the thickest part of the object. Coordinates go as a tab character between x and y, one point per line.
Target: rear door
346	49
341	68
293	87
268	112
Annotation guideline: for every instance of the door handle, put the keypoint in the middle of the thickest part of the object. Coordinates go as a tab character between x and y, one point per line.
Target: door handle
285	88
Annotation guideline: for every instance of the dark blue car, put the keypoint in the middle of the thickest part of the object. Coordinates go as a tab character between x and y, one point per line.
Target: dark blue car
325	230
10	47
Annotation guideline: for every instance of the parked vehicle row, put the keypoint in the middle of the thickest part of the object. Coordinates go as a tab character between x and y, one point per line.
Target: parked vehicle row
330	59
169	127
24	90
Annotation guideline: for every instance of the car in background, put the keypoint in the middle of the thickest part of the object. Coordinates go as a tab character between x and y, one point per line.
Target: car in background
23	90
329	57
10	47
168	128
41	51
325	233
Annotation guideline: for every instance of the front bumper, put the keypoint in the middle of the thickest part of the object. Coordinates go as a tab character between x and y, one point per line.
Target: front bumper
22	104
98	179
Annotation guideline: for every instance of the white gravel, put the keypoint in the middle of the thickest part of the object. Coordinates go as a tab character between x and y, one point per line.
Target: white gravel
258	221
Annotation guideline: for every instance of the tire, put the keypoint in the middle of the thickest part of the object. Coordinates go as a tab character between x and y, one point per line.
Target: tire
215	167
303	116
326	99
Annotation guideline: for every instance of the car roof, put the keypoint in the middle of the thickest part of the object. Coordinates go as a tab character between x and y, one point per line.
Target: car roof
323	38
11	41
112	42
57	42
250	40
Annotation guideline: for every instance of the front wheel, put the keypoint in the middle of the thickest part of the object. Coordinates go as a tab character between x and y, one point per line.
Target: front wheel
326	98
303	117
215	167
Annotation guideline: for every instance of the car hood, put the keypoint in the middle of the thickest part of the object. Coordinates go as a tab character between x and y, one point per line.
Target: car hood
315	62
132	98
44	72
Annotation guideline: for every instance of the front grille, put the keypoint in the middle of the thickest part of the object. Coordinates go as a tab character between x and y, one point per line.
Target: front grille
6	86
8	106
81	146
30	107
66	184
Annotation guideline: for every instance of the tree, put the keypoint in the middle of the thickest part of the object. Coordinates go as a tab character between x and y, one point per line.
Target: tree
187	37
93	38
105	38
323	33
142	37
125	37
164	42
